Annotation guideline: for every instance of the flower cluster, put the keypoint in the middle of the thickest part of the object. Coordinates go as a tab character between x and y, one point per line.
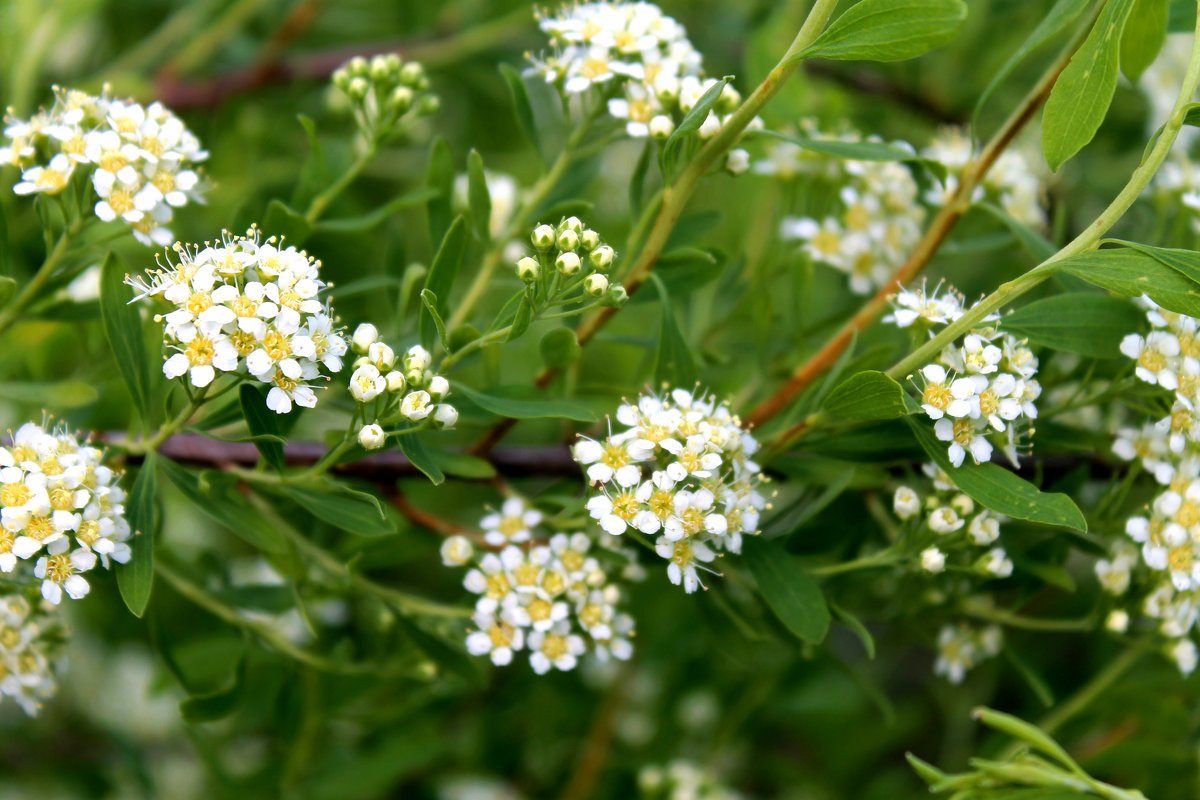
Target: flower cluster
961	648
385	94
1011	183
980	388
396	389
60	505
141	159
1163	557
948	527
876	223
247	307
683	780
680	469
570	263
30	640
553	600
640	59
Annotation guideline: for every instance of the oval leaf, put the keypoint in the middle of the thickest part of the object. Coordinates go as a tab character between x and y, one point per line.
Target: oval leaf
788	589
888	30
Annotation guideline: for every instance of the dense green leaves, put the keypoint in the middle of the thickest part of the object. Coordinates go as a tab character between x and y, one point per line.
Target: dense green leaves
866	396
354	511
516	403
1145	32
136	578
123	327
1081	96
215	494
1133	273
1086	323
788	589
888	30
1000	490
440	279
478	199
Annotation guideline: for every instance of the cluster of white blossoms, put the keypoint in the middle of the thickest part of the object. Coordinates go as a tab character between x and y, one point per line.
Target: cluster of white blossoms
141	159
570	261
1164	553
877	220
31	637
642	63
1012	183
61	509
248	307
949	528
980	388
385	94
551	599
682	780
392	389
679	468
961	648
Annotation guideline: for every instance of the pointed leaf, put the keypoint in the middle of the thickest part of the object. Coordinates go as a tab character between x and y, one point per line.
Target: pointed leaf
866	396
123	327
888	30
788	589
506	405
136	579
1086	323
352	511
674	362
414	448
478	199
1143	38
440	280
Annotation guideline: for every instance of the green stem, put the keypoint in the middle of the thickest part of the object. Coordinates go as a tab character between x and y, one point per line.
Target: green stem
1089	239
319	203
30	290
881	559
169	428
1011	620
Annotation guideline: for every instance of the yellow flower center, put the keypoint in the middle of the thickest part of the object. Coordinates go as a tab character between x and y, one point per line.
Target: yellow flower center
15	494
200	351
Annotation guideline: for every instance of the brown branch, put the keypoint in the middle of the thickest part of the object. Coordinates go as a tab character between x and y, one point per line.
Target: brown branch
935	235
874	84
199	450
421	518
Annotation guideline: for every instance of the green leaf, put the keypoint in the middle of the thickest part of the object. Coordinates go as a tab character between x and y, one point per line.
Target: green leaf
461	465
1143	38
314	175
888	30
66	394
282	220
866	396
414	448
478	199
788	589
219	499
1037	245
439	177
350	510
637	181
1085	323
220	703
1060	15
674	362
8	288
855	624
123	327
5	255
136	579
1081	96
505	402
1000	490
858	151
1037	683
429	303
1185	262
440	279
374	219
522	107
522	319
692	121
266	427
1133	273
560	348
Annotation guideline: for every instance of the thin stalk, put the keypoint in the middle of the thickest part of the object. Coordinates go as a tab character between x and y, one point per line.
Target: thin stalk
30	290
319	203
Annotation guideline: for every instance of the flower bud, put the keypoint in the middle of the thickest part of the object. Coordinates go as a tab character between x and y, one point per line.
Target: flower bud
589	239
661	127
364	336
379	68
394	63
595	284
415	376
567	263
528	269
417	357
602	257
429	105
341	78
568	240
402	98
1117	621
457	551
616	297
933	560
357	67
357	89
730	99
737	162
710	126
412	74
446	416
395	381
439	387
371	437
571	224
666	86
381	355
543	237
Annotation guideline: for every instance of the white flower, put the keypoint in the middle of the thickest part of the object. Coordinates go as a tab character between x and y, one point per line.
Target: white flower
367	383
495	638
554	649
416	406
372	437
933	560
1183	653
1154	354
60	572
906	503
1117	621
445	415
963	438
456	551
513	523
944	519
364	336
997	563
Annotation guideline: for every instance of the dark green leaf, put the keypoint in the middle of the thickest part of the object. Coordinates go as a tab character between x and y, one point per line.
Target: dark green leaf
123	327
479	200
266	427
461	465
674	362
855	624
522	108
866	396
560	348
136	578
1086	323
8	288
692	121
522	319
352	511
282	220
439	177
1133	273
218	498
314	175
218	704
429	302
1081	96
1144	35
5	254
998	489
414	448
440	280
503	401
859	151
788	589
888	30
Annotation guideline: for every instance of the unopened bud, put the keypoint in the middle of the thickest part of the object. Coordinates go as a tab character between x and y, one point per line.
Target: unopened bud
543	237
402	98
567	263
381	355
589	239
568	240
595	284
528	269
364	336
395	381
602	257
371	437
412	73
661	127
